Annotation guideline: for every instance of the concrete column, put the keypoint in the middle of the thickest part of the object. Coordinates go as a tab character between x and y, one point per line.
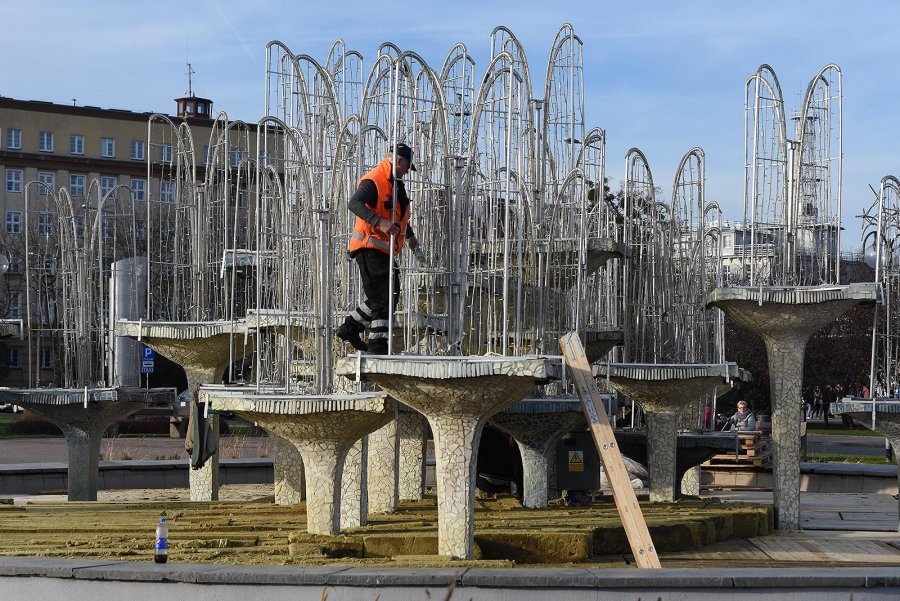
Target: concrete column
456	441
204	482
413	442
535	465
83	429
290	483
83	448
536	425
553	491
354	499
785	355
324	462
662	443
383	468
690	482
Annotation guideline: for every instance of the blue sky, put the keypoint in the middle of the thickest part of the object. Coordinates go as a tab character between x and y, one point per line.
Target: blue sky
662	76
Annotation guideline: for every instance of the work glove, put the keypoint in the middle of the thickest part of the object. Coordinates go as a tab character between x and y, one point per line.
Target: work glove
421	259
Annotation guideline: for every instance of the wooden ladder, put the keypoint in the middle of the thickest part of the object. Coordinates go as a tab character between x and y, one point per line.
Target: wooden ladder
642	546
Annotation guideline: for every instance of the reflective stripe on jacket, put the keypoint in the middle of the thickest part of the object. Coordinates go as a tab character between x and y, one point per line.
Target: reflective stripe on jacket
369	236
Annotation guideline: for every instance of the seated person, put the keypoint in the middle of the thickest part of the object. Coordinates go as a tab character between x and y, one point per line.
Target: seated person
743	420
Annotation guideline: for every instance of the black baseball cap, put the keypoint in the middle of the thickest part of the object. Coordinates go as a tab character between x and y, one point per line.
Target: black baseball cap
402	150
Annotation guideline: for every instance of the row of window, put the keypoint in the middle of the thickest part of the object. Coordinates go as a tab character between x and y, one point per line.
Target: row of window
13	360
47	226
108	147
77	183
46	143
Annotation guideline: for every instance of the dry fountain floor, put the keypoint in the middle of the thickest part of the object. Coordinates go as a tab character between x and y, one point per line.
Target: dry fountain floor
249	529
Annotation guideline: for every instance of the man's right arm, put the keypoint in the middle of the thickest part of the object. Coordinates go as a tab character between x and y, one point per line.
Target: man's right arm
365	197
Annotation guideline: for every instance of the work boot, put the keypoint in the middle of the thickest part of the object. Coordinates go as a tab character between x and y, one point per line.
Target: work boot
378	346
348	334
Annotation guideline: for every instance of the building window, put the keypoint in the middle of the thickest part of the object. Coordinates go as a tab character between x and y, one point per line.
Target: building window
140	228
206	154
165	153
76	186
165	191
108	147
46	358
14	309
45	141
14	139
45	224
76	144
138	190
48	182
12	358
236	156
15	263
107	183
13	222
79	226
13	180
137	150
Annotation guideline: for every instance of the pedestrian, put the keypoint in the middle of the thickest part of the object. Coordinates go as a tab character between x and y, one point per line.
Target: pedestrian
817	402
379	221
744	420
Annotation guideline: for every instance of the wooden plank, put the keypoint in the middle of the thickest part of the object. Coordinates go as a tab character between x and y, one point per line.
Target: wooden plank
642	546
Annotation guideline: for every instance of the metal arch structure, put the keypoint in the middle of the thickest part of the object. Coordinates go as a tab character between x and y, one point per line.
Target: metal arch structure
68	255
881	246
498	211
647	286
765	178
563	122
792	188
458	79
814	221
695	254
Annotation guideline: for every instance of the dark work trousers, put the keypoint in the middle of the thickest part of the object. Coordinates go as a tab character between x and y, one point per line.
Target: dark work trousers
374	312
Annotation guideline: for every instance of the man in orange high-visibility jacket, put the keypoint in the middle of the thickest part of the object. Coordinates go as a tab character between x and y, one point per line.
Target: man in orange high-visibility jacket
370	245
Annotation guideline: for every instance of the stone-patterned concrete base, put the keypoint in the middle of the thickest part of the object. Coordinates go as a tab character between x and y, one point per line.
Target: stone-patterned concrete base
290	481
785	317
536	434
661	446
690	482
83	429
322	428
205	481
413	441
383	468
354	510
457	395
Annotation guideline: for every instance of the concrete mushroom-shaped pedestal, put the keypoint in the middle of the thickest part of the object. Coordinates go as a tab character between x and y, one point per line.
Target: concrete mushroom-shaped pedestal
785	318
663	391
322	427
83	415
457	395
880	415
204	350
536	425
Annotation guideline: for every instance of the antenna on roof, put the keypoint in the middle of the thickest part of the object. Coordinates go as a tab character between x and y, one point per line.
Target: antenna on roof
190	71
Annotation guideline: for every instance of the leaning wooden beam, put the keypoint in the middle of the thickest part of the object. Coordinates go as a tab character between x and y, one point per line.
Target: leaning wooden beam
626	502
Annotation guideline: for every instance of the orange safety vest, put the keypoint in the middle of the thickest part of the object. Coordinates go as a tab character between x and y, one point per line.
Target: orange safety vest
369	236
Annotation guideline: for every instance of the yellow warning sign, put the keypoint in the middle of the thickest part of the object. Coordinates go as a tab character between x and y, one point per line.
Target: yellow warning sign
576	461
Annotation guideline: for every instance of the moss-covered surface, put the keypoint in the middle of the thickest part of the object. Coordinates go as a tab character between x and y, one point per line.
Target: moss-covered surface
261	533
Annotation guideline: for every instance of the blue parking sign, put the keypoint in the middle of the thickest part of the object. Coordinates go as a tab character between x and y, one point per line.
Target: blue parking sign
149	354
